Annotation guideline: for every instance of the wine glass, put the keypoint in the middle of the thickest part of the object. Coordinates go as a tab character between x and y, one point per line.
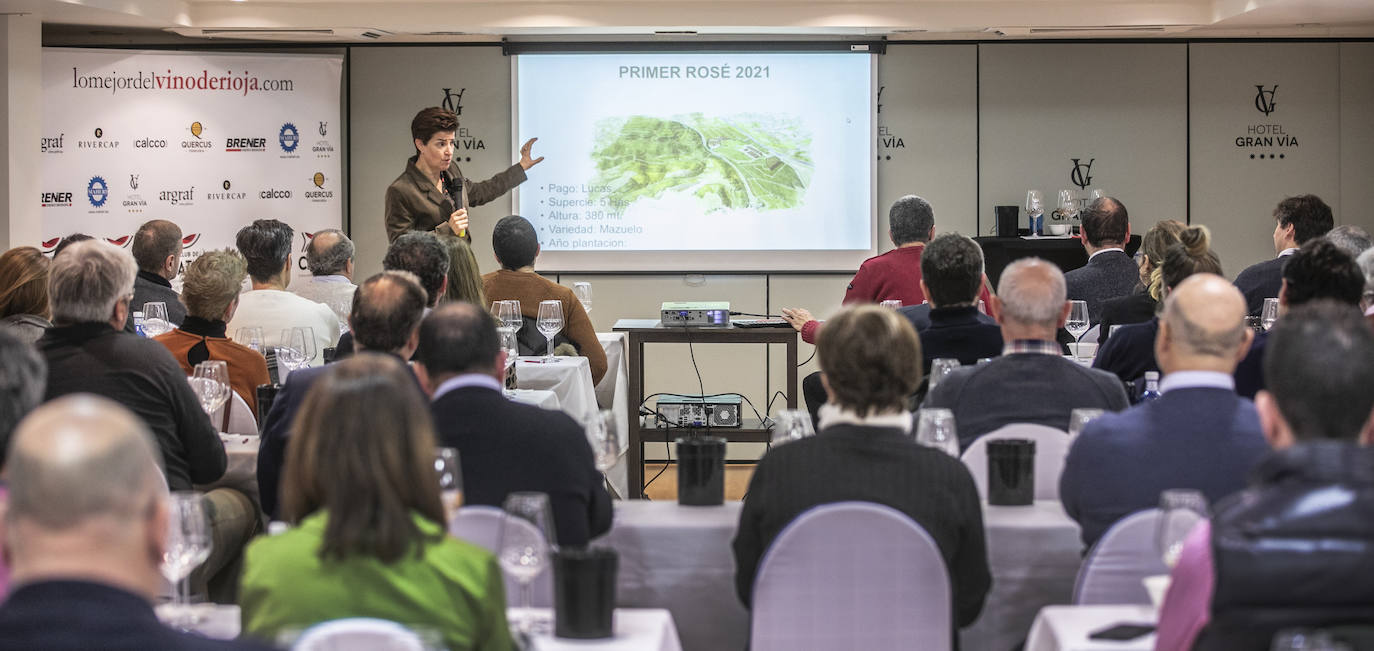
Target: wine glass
1035	207
250	337
935	428
550	321
291	349
583	290
450	473
1079	419
939	368
155	319
791	425
1180	510
1268	315
215	385
1097	193
508	312
309	348
188	545
892	303
523	550
1077	323
511	344
605	440
1068	205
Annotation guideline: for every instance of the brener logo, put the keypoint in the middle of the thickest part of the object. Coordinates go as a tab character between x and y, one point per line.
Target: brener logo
1264	99
199	143
227	195
51	145
178	197
97	191
55	199
323	149
454	101
1081	174
289	138
134	203
99	143
320	195
245	144
273	193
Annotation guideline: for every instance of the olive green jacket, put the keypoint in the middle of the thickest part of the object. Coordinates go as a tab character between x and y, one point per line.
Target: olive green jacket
413	203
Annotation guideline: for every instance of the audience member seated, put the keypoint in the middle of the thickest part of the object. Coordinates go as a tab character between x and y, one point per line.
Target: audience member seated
422	255
1110	273
869	360
1131	352
1366	264
90	287
210	290
370	536
1298	220
1319	269
22	376
386	319
68	241
951	274
1294	549
1141	305
24	309
1199	434
505	446
464	276
266	245
1030	382
86	530
1350	238
516	246
329	257
157	250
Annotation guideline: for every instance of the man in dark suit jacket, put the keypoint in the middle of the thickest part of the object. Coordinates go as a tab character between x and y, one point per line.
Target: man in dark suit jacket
1298	220
385	318
87	527
1199	434
1031	382
1110	273
865	452
951	274
157	249
505	446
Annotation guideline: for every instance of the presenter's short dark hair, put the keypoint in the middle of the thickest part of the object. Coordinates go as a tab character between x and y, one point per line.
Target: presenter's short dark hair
386	309
154	241
431	121
952	266
266	245
871	359
514	242
1106	222
1319	365
1309	215
910	220
423	255
1320	269
458	338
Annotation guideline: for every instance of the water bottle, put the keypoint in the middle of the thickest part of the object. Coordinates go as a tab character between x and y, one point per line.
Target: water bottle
138	324
1151	386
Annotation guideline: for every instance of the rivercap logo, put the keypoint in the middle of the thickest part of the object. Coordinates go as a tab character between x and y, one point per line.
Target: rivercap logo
97	191
318	180
1081	174
99	133
1264	99
133	181
226	185
324	128
197	129
454	101
288	137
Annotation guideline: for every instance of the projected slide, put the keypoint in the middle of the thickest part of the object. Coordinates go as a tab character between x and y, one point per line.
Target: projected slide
698	152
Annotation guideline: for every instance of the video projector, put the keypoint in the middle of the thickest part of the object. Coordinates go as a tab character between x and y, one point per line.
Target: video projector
707	314
695	411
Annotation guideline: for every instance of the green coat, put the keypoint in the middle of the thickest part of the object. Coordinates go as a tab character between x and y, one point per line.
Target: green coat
454	588
415	204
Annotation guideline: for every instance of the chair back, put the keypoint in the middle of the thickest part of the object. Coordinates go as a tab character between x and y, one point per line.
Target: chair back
1092	335
1114	569
358	634
1051	447
481	526
851	575
238	420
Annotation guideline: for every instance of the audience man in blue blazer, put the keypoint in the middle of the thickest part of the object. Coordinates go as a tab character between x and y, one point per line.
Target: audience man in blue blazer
1199	434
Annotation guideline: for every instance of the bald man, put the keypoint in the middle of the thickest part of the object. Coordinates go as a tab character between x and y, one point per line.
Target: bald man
1199	434
86	528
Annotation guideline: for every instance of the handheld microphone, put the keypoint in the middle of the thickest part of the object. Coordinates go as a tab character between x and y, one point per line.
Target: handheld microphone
457	193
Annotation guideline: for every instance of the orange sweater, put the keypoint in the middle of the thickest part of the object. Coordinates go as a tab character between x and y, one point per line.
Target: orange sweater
247	368
530	289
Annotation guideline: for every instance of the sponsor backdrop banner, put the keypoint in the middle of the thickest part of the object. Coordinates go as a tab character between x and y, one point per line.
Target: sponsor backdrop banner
209	141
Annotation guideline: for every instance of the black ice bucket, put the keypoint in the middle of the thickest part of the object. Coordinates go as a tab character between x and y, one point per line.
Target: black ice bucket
584	592
701	471
1011	472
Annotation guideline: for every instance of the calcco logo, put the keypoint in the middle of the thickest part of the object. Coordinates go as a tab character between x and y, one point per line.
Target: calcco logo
454	101
150	143
97	191
51	145
1264	99
199	144
134	203
178	197
321	195
99	142
226	195
1081	174
289	138
273	193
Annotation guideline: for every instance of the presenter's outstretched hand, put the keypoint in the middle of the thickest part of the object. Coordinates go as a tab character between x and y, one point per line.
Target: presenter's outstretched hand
525	160
797	317
458	221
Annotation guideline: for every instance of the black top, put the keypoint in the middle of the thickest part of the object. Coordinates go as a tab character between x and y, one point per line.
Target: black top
1131	352
962	333
1137	307
141	375
1260	281
869	464
80	616
505	447
150	287
1250	371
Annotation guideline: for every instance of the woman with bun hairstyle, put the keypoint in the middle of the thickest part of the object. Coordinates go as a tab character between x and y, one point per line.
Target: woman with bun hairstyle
1141	306
24	310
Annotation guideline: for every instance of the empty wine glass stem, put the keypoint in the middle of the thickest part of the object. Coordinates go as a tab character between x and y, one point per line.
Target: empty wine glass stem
550	343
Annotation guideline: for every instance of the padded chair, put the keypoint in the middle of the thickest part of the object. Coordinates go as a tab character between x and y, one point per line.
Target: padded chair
238	420
481	526
1092	335
1114	568
358	634
1051	447
851	575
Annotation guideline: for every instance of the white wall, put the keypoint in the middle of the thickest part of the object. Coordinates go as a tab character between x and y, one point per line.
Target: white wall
21	95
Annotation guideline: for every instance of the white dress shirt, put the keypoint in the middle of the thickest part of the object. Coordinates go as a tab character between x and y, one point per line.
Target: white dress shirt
274	310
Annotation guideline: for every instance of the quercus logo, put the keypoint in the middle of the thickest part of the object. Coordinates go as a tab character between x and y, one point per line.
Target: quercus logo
198	142
319	195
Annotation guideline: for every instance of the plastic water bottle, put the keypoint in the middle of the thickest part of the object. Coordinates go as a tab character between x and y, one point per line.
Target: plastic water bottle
1151	386
138	324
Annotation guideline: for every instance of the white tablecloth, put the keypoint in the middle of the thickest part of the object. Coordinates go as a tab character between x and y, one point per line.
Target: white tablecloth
536	397
613	393
636	629
570	378
241	473
1066	628
680	558
217	621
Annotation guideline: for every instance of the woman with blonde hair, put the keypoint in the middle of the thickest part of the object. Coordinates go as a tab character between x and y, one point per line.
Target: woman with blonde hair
24	310
370	537
464	277
1141	305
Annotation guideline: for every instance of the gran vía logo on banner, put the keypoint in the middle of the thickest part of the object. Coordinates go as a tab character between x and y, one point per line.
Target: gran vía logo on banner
97	193
100	141
227	195
1266	138
887	140
134	203
323	148
465	139
289	139
320	194
197	142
